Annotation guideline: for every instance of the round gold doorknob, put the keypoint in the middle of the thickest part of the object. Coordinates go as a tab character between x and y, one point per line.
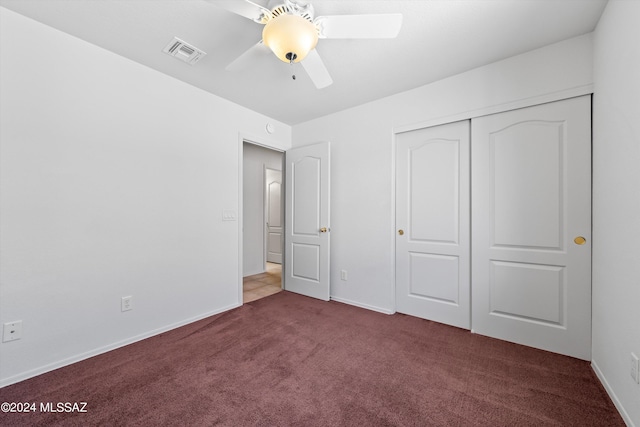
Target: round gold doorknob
401	232
580	240
323	230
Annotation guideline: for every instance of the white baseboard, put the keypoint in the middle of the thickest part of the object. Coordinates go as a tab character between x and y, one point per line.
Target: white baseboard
625	417
100	350
361	305
253	273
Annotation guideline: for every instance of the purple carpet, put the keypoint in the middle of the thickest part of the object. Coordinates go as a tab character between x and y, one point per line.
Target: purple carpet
292	360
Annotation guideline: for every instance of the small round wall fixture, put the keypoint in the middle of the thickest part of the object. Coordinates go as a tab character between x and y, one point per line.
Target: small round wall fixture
270	128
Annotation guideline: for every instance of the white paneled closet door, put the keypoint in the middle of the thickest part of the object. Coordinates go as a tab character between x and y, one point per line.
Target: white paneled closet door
432	219
531	226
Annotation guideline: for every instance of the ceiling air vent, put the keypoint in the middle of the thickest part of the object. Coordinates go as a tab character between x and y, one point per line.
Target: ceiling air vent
183	51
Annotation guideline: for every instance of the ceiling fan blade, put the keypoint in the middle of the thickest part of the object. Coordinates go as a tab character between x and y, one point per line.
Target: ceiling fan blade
249	57
245	8
385	26
316	70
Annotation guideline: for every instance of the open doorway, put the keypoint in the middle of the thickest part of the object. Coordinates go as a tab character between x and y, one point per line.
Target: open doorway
263	222
263	284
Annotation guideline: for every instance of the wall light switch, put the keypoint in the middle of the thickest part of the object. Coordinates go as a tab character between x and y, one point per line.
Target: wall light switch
229	215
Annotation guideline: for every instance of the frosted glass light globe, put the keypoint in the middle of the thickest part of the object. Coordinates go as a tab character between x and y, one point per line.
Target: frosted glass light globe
290	34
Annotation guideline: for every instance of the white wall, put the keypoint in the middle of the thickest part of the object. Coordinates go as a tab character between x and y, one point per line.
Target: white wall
256	158
113	179
113	182
362	193
616	202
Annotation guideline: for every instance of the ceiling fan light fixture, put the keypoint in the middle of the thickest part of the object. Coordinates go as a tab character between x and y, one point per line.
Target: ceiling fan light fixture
290	37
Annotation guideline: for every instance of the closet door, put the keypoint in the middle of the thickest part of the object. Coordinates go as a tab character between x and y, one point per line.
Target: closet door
531	226
432	218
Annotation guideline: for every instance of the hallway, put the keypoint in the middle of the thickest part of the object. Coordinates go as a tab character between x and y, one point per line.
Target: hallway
263	284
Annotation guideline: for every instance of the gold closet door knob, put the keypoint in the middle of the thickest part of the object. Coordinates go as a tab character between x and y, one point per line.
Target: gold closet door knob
323	230
580	240
401	232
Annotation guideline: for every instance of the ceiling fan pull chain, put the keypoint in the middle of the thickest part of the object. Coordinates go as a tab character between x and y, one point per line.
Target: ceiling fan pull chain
292	57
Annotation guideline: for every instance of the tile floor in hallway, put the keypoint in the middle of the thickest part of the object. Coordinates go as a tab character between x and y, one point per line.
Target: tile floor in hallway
263	284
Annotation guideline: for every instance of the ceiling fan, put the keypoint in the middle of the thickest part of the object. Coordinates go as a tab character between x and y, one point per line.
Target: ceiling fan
291	31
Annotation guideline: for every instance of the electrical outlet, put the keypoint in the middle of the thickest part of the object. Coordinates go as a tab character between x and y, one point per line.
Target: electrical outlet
127	303
343	274
635	368
12	331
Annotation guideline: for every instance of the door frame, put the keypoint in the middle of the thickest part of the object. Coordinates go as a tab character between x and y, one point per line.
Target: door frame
270	145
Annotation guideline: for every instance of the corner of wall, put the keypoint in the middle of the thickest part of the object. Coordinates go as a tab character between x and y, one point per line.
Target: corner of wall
616	154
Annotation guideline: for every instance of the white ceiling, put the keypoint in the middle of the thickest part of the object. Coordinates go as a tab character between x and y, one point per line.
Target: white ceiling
439	38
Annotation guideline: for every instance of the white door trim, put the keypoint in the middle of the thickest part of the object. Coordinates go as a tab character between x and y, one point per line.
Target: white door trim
499	108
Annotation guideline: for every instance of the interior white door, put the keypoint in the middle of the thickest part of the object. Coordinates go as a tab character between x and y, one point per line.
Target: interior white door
307	221
531	221
432	218
273	214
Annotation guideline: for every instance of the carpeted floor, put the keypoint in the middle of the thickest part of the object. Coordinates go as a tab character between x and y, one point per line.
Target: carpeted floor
292	360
